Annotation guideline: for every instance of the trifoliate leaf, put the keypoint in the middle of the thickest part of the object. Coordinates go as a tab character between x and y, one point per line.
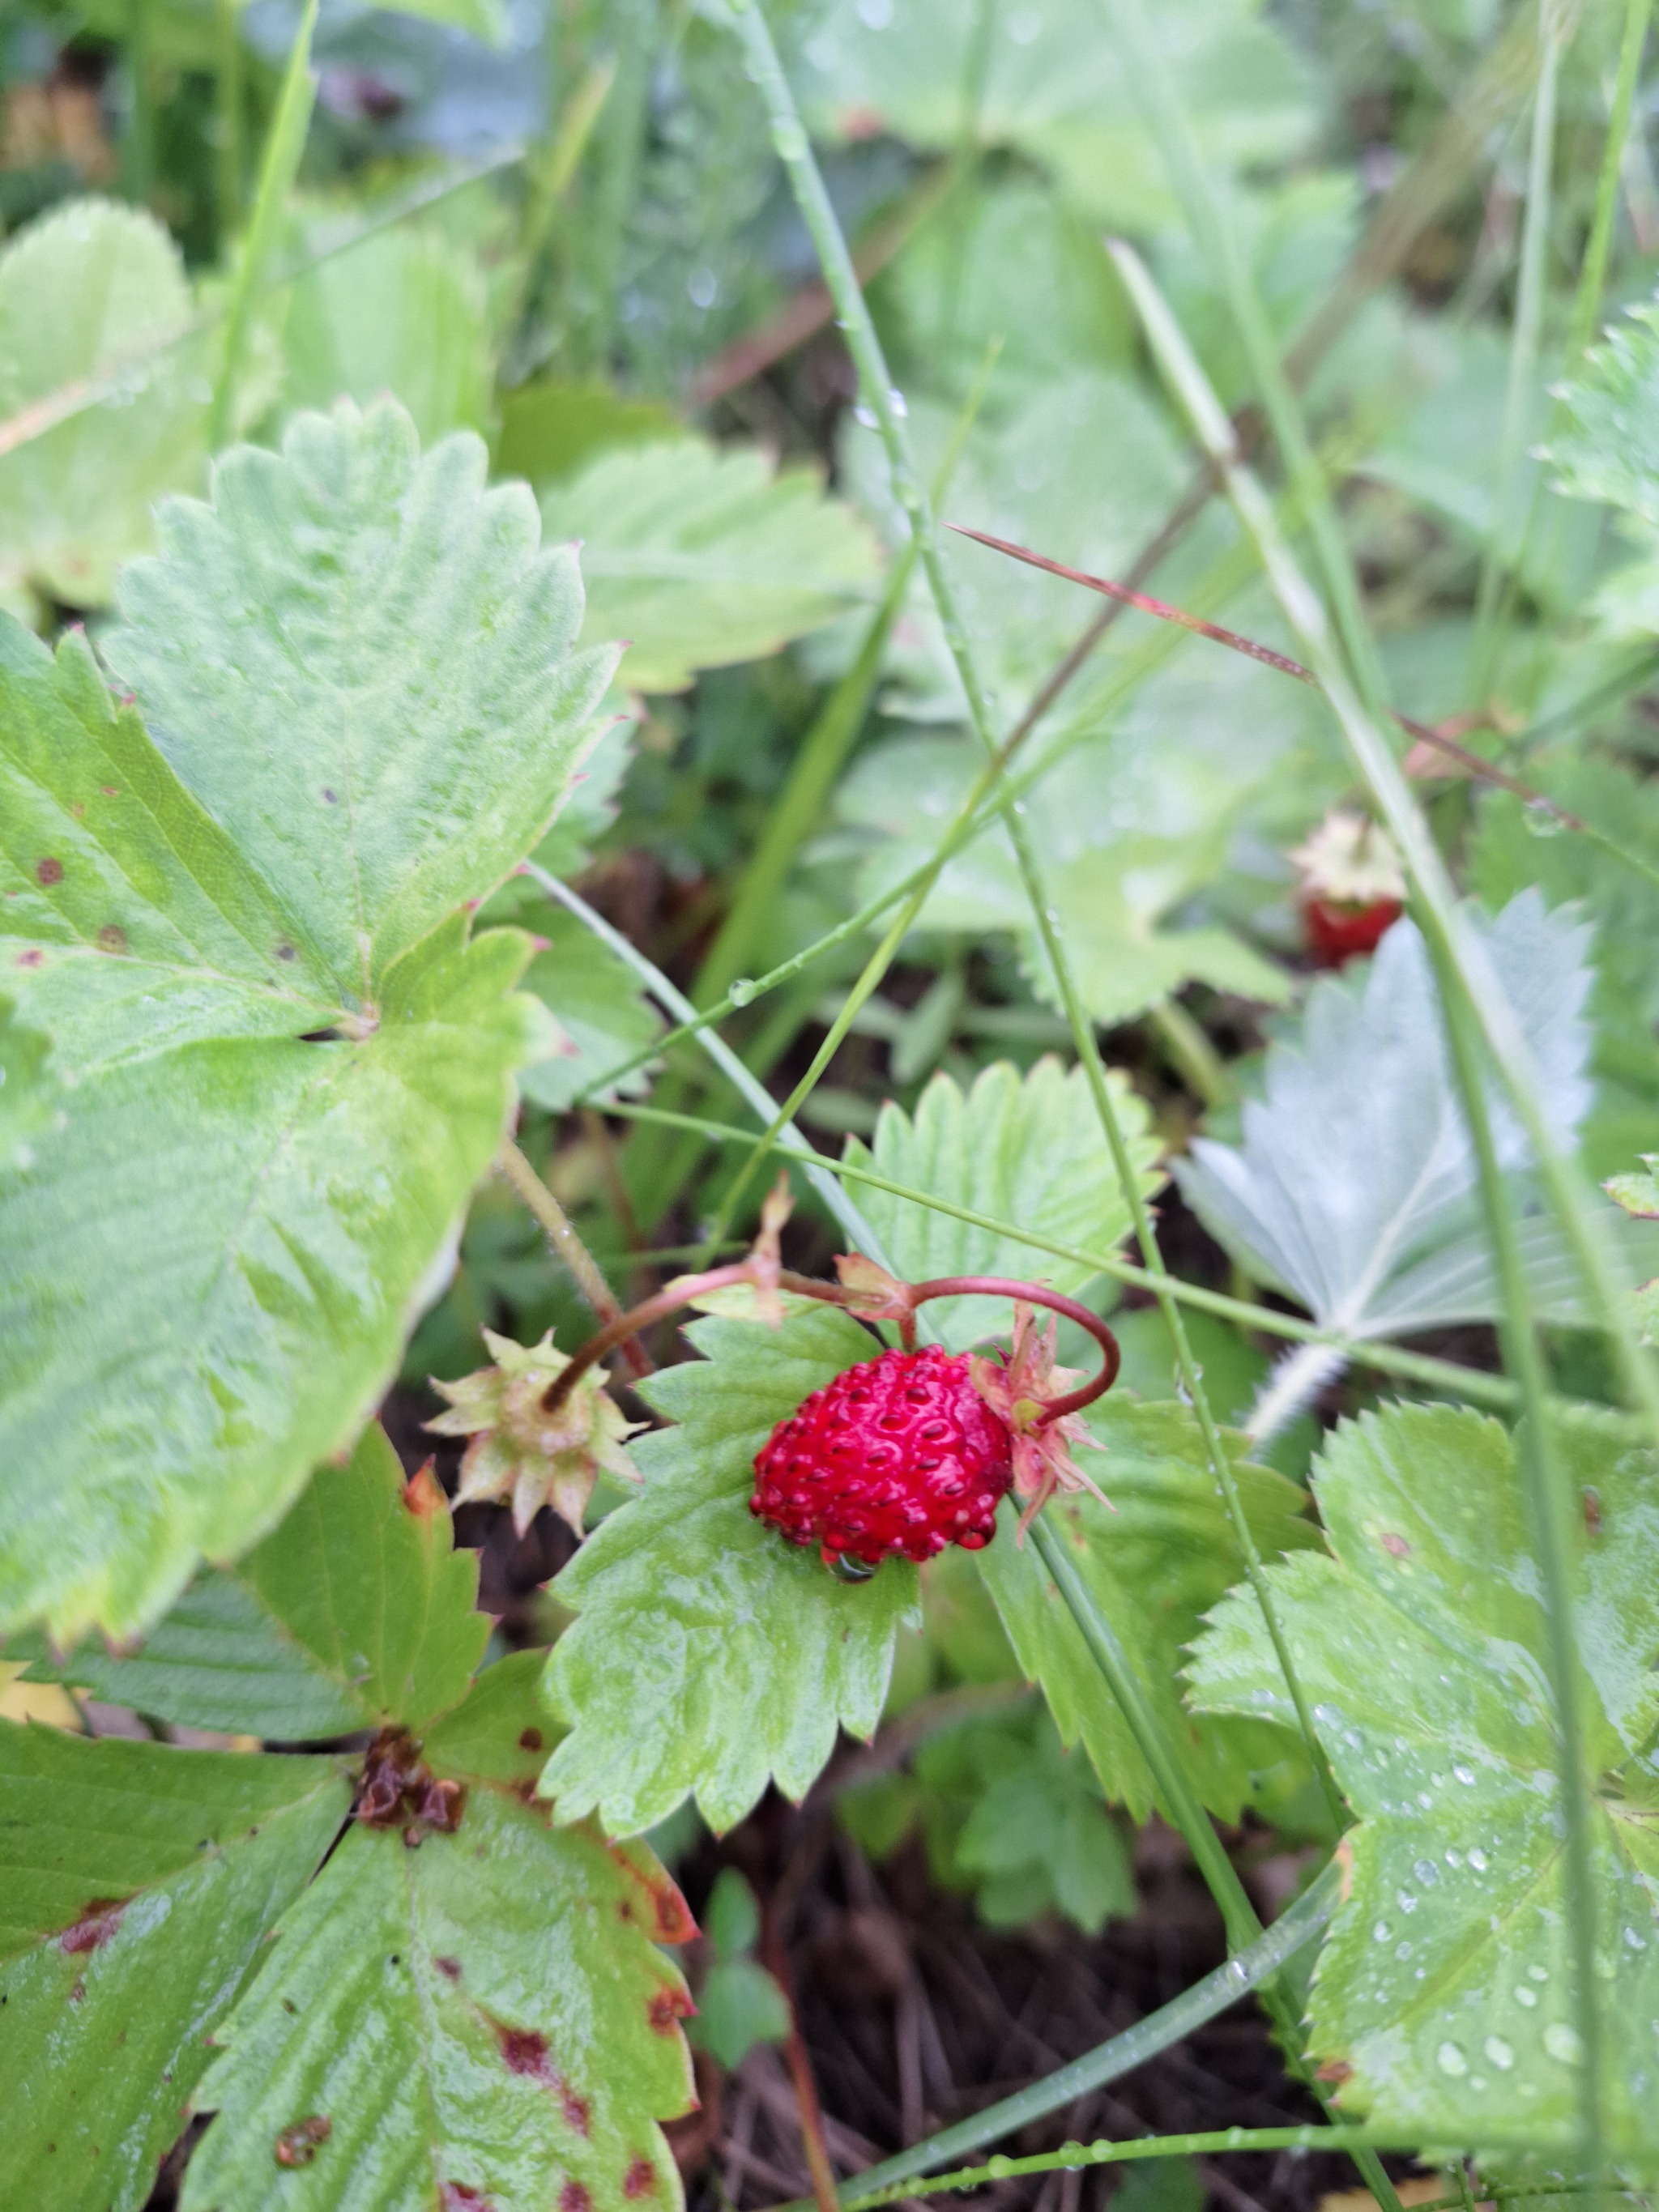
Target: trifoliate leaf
139	1886
1027	1149
483	2018
1445	1983
1155	1567
356	1614
284	1064
1055	88
700	557
1355	1187
403	312
708	1654
84	292
520	1451
1012	1815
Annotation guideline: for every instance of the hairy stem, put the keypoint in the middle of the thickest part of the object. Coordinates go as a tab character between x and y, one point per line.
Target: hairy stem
568	1246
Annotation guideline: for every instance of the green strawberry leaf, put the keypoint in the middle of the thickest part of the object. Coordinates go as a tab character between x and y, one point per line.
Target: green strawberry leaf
403	312
244	939
1445	1983
708	1655
700	557
140	1887
356	1613
87	289
1054	88
1011	1814
1155	1567
481	2017
1027	1149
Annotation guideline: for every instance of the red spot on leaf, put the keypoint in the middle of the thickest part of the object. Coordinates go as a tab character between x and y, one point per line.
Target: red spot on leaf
526	2052
96	1926
110	790
112	938
78	1989
640	2178
530	1739
666	2008
574	2197
456	2195
32	958
451	1968
1397	1547
299	2144
670	1915
49	871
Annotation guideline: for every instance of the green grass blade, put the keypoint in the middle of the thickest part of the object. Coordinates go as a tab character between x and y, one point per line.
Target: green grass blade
278	167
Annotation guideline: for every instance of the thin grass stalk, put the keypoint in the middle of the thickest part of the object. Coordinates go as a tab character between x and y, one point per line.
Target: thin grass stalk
748	1087
823	750
1298	1926
1178	1800
1502	544
1553	1536
551	172
138	149
227	118
1445	1375
816	767
794	151
284	144
1357	2140
618	161
1465	974
1593	275
1578	1208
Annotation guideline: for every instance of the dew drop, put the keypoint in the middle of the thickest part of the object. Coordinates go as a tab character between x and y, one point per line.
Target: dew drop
1477	1859
897	401
1406	1899
1451	2059
1525	1997
1538	1973
865	416
743	992
1563	2042
1381	1931
1501	2054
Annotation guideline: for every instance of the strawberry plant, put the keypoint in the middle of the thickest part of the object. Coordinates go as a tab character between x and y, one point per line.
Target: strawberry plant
734	1227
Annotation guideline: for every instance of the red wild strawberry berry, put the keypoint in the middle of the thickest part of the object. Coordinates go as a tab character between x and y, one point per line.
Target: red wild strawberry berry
1340	930
897	1457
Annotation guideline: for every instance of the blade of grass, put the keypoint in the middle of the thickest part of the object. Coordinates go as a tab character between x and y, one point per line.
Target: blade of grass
1593	275
284	144
1498	567
1462	969
227	118
138	146
1574	1201
1472	1383
793	149
752	1092
1555	1543
1140	2148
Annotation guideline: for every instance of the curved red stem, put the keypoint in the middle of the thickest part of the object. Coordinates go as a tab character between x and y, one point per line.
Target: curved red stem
1034	1294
